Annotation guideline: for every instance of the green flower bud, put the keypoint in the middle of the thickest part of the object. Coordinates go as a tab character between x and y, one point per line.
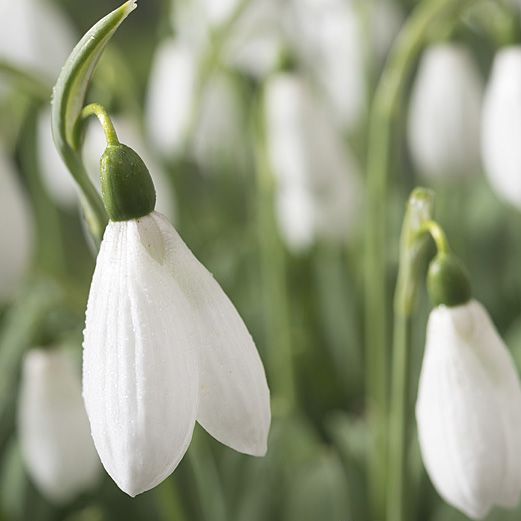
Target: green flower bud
126	186
447	281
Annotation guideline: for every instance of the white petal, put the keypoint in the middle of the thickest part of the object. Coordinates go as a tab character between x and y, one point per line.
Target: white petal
308	156
444	116
170	95
140	379
329	41
469	433
55	438
234	402
501	126
35	35
255	44
16	230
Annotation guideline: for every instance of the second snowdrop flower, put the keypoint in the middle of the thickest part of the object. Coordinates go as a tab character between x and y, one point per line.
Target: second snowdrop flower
469	400
163	345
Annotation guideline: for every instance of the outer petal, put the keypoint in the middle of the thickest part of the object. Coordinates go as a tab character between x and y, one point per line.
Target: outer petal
234	396
504	377
464	424
16	230
140	378
501	126
444	117
54	430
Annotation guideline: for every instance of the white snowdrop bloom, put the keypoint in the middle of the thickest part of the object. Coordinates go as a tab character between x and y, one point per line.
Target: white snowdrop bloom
318	180
54	432
170	98
216	125
163	345
469	411
501	126
34	35
16	229
57	178
329	40
220	128
444	116
256	42
126	128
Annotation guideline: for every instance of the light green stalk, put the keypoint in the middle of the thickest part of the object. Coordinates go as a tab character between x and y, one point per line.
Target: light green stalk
385	108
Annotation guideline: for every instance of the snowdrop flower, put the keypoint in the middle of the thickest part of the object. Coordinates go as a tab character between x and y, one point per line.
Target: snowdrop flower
34	35
54	430
469	407
218	125
328	39
16	229
444	116
501	126
163	344
257	41
318	183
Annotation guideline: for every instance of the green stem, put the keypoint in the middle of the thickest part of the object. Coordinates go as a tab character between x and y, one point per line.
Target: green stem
437	234
274	278
385	107
399	420
95	109
169	502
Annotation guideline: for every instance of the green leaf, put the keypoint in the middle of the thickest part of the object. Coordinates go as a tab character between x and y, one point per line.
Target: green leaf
68	99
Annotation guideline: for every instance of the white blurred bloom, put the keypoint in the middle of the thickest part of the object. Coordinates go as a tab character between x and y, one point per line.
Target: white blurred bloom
170	96
16	229
256	42
329	42
55	438
164	347
444	116
34	35
95	144
501	126
217	127
318	186
469	411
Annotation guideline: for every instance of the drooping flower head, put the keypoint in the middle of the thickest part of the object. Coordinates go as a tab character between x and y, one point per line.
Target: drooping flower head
163	346
444	116
53	427
469	400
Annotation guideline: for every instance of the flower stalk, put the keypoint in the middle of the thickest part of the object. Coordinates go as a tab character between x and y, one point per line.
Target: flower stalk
385	107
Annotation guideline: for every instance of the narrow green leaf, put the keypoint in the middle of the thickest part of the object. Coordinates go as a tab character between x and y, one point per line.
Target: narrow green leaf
68	99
